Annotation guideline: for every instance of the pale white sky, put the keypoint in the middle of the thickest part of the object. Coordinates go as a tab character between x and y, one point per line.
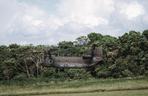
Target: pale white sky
51	21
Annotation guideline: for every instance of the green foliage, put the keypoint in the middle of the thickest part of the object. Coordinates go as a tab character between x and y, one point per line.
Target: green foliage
125	56
82	40
145	33
94	37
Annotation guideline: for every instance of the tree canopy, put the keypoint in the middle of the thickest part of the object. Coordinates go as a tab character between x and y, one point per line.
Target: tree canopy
123	56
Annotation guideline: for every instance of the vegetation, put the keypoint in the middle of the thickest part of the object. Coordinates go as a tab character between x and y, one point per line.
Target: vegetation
125	56
95	87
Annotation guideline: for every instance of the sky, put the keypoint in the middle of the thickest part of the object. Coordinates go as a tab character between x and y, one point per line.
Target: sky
48	22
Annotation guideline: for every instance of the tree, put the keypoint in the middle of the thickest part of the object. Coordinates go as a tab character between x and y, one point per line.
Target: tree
145	33
82	40
9	68
94	37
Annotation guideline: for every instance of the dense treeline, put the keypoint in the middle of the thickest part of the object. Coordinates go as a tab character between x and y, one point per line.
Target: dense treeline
124	56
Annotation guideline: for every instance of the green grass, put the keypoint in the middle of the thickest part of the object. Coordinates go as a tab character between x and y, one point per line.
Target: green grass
94	87
116	93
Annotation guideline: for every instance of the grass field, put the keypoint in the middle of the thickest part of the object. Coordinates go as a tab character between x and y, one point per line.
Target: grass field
90	87
117	93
